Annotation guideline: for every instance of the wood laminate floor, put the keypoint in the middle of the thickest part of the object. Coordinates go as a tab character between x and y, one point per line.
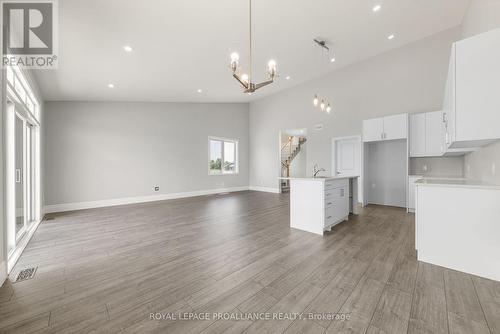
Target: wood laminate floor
107	270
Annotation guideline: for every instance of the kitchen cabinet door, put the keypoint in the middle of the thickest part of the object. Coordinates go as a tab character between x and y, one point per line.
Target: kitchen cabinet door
396	127
477	80
417	135
341	203
373	129
433	134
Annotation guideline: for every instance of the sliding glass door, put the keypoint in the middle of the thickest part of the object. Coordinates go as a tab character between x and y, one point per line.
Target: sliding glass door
22	167
24	175
19	176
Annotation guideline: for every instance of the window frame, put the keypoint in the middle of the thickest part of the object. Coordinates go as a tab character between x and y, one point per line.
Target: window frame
236	155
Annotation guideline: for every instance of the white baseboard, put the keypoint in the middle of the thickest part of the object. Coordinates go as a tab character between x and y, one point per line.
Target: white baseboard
265	189
3	272
133	200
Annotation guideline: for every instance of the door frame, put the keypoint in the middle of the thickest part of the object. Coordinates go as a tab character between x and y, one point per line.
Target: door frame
361	155
15	246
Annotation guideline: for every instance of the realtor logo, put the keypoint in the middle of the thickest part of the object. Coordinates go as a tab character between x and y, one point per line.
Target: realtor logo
29	33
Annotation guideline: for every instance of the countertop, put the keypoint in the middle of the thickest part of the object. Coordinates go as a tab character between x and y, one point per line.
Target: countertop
439	177
321	178
456	182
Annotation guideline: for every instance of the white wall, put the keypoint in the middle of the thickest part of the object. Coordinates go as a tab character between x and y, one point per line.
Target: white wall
407	79
105	151
483	15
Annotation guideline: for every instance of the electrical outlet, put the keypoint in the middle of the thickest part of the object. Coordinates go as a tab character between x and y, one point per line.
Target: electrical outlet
424	168
493	168
468	168
157	188
373	185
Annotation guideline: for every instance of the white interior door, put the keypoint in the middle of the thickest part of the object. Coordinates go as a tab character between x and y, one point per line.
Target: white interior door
348	156
346	159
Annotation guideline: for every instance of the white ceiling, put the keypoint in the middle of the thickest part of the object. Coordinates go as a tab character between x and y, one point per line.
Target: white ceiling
183	45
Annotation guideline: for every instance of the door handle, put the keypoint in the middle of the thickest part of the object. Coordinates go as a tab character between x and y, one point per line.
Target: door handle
18	175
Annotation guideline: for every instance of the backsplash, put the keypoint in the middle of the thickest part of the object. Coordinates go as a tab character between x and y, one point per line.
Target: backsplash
484	164
438	166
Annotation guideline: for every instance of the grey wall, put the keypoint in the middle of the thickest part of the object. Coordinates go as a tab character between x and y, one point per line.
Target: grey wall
408	79
98	151
385	180
483	15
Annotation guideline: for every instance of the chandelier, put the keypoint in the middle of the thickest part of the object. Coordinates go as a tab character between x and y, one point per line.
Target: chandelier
246	79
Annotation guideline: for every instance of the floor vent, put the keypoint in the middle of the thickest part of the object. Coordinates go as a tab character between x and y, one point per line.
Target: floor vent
26	274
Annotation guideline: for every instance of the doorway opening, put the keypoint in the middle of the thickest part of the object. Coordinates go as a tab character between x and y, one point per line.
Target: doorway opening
293	156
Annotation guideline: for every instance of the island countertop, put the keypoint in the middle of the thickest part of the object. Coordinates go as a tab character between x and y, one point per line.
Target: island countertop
320	178
461	183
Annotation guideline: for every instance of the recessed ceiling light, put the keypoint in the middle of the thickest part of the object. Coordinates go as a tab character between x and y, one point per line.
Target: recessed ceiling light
200	90
390	37
332	60
376	8
287	77
111	85
127	48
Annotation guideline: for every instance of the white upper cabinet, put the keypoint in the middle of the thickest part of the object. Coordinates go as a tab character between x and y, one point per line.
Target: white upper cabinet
373	129
386	128
434	134
396	127
417	135
426	134
472	99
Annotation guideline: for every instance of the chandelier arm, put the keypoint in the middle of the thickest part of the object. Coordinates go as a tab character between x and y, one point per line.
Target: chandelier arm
262	84
240	81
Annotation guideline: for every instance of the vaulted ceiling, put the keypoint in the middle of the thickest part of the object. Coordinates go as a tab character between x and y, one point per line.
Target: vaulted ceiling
181	46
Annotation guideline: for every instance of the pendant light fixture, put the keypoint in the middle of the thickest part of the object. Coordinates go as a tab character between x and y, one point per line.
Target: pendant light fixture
246	79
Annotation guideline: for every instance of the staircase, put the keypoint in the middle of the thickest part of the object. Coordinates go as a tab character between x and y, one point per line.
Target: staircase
289	151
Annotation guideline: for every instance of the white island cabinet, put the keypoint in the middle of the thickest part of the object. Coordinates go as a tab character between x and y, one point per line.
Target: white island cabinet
458	225
318	204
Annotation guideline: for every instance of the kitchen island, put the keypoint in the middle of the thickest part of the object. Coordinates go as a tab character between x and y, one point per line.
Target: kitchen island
317	204
457	225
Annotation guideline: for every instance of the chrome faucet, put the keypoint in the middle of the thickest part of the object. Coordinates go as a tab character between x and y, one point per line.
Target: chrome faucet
316	170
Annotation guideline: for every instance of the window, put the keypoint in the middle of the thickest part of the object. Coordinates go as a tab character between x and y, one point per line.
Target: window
222	156
20	91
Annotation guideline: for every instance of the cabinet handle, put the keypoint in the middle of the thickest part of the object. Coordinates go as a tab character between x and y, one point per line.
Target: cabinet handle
328	217
18	175
329	203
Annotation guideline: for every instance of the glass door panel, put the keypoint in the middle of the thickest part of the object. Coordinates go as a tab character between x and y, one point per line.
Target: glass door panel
19	176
